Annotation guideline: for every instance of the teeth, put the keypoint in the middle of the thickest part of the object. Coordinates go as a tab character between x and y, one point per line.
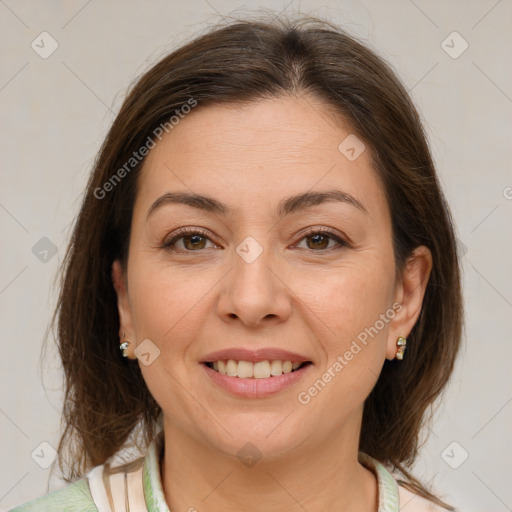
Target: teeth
259	370
245	369
276	368
232	368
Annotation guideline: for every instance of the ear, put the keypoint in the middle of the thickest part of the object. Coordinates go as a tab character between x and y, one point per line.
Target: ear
409	293
123	305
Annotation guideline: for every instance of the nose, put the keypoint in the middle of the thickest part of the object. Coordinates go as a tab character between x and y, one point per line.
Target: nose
255	290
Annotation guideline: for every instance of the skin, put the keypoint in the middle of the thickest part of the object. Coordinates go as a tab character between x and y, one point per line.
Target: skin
304	295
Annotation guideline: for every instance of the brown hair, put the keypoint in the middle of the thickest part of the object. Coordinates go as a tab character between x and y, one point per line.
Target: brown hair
105	396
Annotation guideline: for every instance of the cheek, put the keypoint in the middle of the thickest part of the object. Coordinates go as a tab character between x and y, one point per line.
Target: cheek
167	305
351	315
348	300
345	309
168	309
353	353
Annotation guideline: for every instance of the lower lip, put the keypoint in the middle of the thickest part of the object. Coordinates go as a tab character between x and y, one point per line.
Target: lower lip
256	388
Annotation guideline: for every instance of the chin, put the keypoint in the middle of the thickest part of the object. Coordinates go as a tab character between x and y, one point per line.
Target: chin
250	436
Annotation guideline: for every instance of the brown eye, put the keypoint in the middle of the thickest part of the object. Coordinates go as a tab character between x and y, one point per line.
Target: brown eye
187	240
194	242
318	241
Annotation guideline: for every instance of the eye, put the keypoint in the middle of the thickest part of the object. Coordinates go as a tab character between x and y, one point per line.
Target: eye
319	240
195	240
191	239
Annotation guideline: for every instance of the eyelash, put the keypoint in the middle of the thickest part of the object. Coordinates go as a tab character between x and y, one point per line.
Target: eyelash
181	233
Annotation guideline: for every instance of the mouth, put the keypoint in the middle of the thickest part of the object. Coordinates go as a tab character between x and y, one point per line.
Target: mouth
257	378
265	369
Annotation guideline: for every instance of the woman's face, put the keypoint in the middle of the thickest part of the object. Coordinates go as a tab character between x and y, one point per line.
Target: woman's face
288	249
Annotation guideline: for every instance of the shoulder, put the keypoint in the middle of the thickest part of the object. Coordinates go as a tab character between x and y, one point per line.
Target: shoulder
416	503
76	496
393	495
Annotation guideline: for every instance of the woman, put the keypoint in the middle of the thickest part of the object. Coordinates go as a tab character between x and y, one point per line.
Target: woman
264	239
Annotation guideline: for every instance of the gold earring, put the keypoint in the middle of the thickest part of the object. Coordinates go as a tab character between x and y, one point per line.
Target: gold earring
401	343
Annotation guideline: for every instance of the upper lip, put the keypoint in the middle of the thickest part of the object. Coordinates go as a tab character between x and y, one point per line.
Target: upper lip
254	355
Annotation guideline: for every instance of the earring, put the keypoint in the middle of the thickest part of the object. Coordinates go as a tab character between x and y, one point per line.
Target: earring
123	347
401	344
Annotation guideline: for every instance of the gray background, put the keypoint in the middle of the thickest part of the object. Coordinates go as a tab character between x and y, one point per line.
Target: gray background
55	112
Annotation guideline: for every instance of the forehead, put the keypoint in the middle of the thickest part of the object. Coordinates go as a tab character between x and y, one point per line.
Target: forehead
263	149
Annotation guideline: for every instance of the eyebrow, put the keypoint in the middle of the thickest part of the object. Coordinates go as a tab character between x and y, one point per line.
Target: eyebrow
285	207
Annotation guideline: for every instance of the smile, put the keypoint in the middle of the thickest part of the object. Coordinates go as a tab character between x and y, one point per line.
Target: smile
255	370
255	380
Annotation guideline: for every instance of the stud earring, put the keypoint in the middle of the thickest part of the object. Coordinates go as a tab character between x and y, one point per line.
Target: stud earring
400	344
123	347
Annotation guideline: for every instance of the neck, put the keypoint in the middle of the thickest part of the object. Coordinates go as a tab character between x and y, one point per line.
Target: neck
315	476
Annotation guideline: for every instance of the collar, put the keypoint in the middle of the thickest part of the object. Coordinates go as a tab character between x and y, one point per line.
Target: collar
154	494
387	485
151	481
